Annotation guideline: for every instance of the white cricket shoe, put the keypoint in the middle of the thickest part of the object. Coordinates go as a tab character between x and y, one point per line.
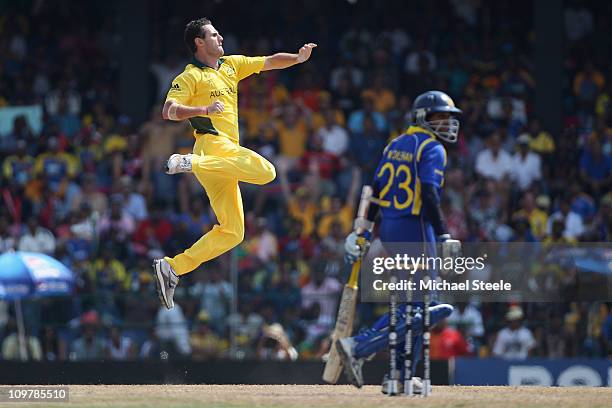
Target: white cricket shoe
352	366
166	280
178	163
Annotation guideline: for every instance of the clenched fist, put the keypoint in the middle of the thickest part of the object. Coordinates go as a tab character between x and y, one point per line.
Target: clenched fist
215	107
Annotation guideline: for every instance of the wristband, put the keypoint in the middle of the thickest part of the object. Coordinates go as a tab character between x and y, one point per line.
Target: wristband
172	112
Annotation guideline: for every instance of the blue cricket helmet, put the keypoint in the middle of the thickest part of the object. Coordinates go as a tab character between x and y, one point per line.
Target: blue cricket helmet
433	102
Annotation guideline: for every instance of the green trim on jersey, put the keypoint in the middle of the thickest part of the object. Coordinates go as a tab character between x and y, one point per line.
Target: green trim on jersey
203	125
202	65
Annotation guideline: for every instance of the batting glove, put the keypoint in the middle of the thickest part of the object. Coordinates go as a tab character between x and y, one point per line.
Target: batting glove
353	250
451	248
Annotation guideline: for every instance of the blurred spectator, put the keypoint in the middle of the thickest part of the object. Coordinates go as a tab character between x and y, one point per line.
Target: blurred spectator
522	231
333	243
587	85
292	134
197	222
205	344
263	242
135	204
275	345
216	295
316	325
455	220
379	92
19	167
152	234
367	145
542	141
89	194
447	342
21	133
494	162
171	327
165	71
596	168
11	349
334	138
514	341
151	348
557	236
345	96
7	240
117	223
89	346
320	165
119	347
300	206
573	226
246	323
537	217
53	347
339	211
323	290
485	211
36	238
366	119
55	166
526	165
467	319
420	61
347	70
107	273
582	203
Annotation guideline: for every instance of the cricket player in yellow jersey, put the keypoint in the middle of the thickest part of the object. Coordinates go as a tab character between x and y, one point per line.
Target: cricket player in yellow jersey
206	93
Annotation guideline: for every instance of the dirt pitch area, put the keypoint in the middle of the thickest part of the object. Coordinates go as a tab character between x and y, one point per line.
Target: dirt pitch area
340	396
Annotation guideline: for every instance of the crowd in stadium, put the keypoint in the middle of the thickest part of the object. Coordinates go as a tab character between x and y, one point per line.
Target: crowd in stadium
89	187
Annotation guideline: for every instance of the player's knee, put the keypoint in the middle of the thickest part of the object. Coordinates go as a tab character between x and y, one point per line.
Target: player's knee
236	235
442	311
268	174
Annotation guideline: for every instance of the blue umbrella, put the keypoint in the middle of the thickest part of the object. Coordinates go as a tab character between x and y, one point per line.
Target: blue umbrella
30	275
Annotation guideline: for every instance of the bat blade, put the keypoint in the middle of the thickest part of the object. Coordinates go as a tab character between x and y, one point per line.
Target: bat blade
348	301
344	328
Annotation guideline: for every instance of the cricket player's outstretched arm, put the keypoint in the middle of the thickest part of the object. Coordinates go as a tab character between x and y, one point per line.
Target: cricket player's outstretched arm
284	60
173	110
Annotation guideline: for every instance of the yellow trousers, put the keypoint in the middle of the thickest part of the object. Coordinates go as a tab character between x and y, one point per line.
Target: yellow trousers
219	164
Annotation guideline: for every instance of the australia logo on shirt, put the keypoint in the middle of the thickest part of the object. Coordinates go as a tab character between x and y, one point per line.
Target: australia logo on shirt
230	71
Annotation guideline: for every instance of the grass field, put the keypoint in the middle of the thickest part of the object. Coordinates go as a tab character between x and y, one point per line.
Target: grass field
174	396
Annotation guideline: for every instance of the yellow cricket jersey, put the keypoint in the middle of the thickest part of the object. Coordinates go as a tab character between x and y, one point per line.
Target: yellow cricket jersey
201	85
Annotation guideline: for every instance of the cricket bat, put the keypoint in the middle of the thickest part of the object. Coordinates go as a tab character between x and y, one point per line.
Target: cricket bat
348	302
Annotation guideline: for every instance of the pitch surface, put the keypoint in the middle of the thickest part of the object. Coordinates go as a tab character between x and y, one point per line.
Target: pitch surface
238	396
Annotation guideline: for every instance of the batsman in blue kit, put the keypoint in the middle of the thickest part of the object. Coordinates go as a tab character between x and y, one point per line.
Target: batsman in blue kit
407	186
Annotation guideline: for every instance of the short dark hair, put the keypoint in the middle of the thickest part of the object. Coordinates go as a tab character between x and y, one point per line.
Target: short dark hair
195	29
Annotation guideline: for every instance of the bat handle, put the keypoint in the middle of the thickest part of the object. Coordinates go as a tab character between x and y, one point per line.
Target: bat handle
354	277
